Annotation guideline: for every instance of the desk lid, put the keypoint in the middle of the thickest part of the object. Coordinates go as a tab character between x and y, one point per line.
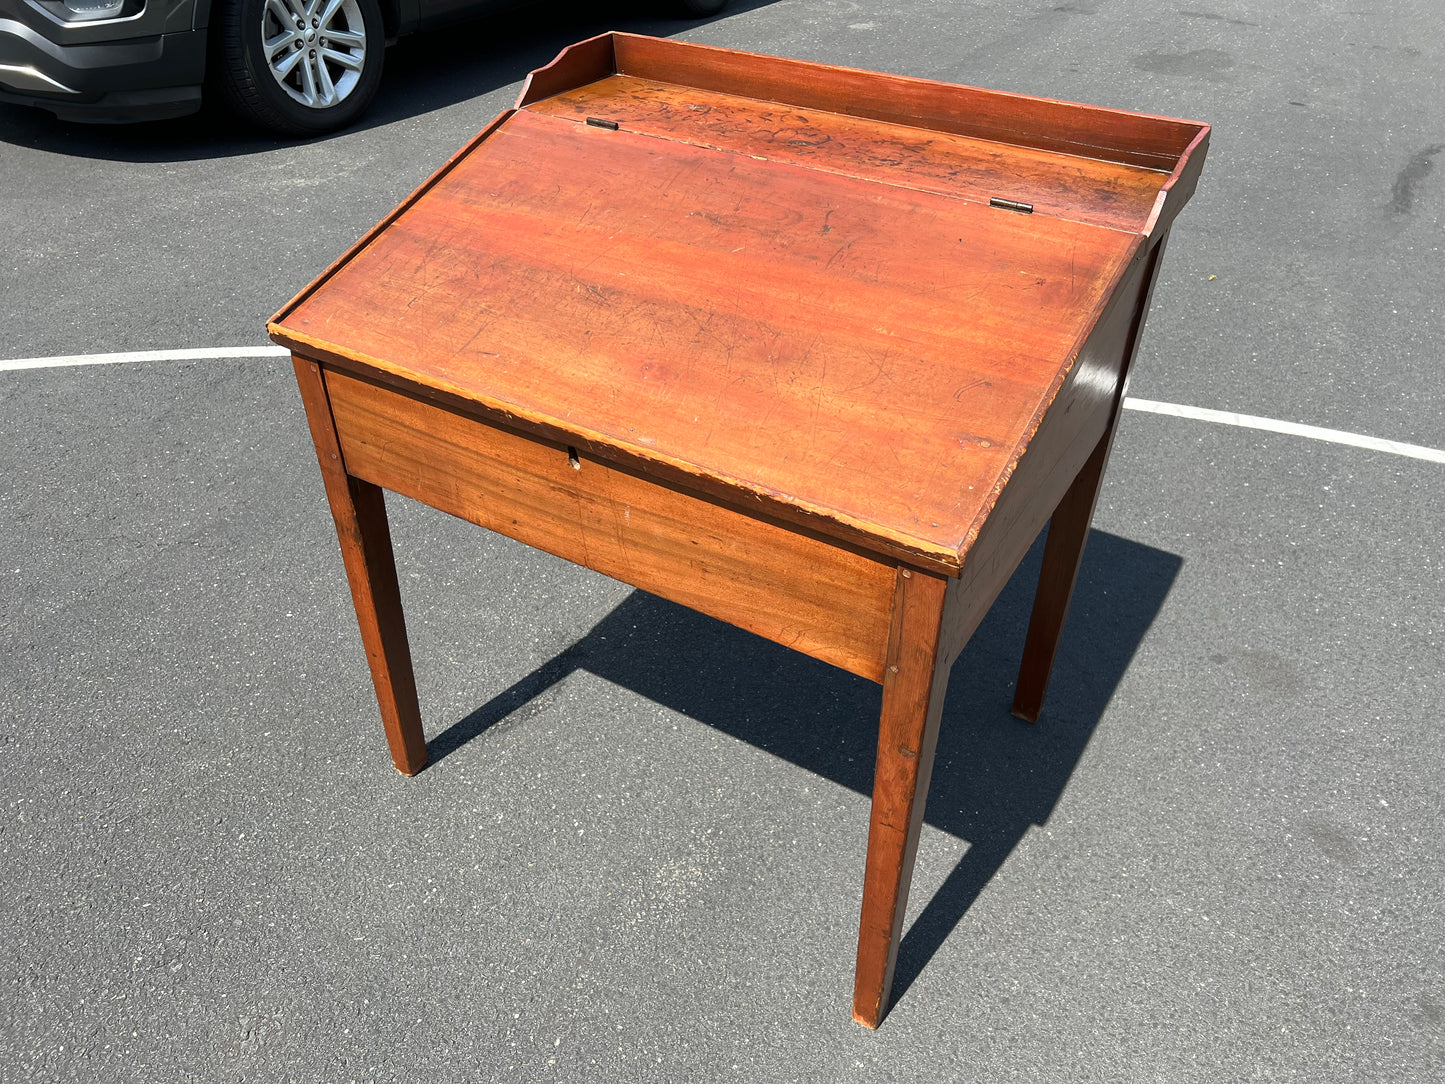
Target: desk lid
782	284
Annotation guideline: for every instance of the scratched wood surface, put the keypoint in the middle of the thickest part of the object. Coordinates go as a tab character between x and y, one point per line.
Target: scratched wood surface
1103	193
872	355
1019	120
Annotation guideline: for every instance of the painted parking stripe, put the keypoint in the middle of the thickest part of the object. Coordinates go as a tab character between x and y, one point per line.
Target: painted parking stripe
1293	429
1150	406
203	354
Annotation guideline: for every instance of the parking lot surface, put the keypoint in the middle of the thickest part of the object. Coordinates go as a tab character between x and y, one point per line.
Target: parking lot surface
637	854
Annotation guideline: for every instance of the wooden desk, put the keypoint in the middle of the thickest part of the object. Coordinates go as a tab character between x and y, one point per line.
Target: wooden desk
817	352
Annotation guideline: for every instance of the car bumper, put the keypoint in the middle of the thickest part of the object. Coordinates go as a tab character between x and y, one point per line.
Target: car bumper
137	78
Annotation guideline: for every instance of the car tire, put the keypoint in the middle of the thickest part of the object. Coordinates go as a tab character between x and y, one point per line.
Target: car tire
298	67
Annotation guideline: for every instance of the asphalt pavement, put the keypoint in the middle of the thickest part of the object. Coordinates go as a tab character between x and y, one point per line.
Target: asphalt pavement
637	854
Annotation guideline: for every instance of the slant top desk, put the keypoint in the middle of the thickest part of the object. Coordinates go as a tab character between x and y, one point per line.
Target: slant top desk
815	351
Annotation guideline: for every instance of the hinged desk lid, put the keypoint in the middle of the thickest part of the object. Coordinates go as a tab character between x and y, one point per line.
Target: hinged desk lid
869	344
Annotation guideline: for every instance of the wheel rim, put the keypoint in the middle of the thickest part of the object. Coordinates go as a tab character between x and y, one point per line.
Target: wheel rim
316	49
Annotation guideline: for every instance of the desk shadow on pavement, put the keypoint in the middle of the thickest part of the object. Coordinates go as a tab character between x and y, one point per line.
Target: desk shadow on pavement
995	777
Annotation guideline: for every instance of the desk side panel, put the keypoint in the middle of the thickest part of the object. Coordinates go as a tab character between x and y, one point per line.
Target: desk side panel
1079	416
576	65
813	596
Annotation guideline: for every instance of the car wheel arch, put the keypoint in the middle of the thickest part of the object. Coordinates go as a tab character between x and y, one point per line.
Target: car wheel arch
391	16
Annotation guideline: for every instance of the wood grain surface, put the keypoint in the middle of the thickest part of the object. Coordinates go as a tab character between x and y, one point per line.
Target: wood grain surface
1079	417
1069	523
870	355
1018	120
359	511
1102	193
914	685
814	596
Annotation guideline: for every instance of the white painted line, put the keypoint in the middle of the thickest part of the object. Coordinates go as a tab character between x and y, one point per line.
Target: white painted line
203	354
1174	410
1293	429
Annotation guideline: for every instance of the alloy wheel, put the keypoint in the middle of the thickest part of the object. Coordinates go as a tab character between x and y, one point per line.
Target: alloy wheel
315	49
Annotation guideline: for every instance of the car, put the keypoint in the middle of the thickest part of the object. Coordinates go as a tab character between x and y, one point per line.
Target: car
291	67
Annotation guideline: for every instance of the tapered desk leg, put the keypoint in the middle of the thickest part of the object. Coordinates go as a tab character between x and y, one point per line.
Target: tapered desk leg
914	684
360	513
1069	527
1063	552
